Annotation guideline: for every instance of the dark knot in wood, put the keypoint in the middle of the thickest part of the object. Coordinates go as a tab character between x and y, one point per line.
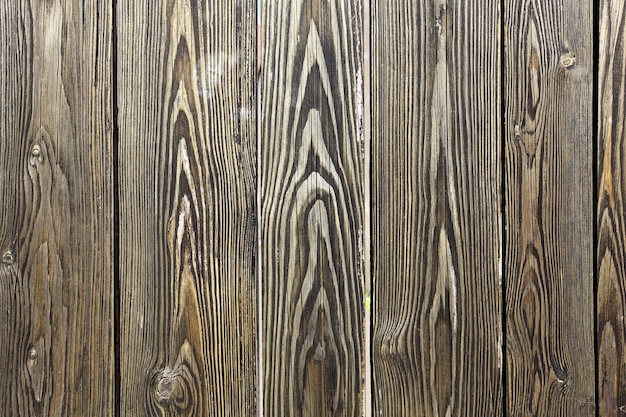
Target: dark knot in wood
7	258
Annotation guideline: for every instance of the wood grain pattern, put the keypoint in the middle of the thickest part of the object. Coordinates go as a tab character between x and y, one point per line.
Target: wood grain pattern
611	220
311	196
56	200
549	227
186	78
436	310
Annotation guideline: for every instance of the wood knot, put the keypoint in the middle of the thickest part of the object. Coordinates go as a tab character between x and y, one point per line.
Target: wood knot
176	386
7	258
568	60
165	388
36	155
169	386
518	132
36	367
40	148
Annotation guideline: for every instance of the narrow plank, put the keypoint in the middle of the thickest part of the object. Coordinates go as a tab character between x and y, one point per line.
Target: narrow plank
549	226
311	199
611	220
56	206
437	302
367	212
186	77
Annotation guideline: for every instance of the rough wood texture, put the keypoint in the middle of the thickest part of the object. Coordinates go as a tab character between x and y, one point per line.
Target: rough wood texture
186	80
56	280
311	193
611	221
549	226
436	291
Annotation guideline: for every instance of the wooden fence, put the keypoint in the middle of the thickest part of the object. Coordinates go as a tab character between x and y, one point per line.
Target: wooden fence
415	208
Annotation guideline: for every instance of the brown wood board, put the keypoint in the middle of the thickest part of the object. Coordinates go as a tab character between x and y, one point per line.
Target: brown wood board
611	214
548	218
436	220
311	208
56	208
187	149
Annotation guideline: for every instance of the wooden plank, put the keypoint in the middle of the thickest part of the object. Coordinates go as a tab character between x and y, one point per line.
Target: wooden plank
549	226
187	149
611	221
56	200
436	131
311	197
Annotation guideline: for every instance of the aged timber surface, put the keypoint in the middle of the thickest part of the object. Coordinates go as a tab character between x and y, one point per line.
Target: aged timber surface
186	80
437	303
56	280
611	220
311	196
549	227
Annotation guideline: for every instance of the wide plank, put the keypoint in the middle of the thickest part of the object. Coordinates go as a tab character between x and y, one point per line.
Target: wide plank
548	208
311	208
611	214
56	208
436	220
187	147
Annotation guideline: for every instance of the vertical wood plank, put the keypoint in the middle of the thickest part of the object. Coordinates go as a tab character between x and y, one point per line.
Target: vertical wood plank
56	206
311	192
611	220
436	130
549	226
186	78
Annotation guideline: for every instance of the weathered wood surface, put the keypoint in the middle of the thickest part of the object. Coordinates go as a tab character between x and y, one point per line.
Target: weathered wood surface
611	221
548	208
436	132
311	195
56	209
187	149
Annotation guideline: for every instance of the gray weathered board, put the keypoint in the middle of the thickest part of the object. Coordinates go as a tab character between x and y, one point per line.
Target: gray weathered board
611	210
548	198
176	240
56	208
